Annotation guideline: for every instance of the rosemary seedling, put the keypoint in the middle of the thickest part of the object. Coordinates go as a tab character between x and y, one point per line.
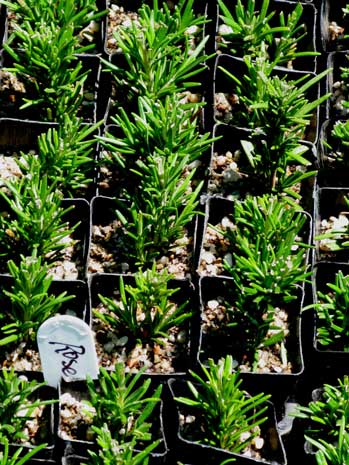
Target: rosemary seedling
228	413
159	61
61	13
111	452
332	314
274	143
166	125
245	28
49	69
67	155
120	401
17	404
162	208
327	412
30	300
33	222
268	261
145	312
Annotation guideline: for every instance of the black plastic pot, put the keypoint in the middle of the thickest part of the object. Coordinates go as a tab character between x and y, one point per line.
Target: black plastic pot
107	285
336	84
188	445
219	341
238	178
331	12
16	134
332	172
117	259
11	100
329	202
307	43
80	447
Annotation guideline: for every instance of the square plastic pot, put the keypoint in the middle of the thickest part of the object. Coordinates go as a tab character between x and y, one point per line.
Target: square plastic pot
107	285
188	437
217	341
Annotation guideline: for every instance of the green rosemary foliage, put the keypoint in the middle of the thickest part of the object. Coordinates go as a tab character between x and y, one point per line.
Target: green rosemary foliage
50	71
159	61
66	155
16	404
263	97
162	208
274	143
161	124
17	458
34	220
269	258
327	413
268	261
227	411
340	132
111	452
332	454
61	13
332	313
120	401
31	302
248	28
145	312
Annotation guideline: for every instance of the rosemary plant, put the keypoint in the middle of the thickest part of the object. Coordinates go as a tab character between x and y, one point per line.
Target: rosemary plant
49	69
328	432
66	155
162	208
111	452
17	404
167	125
274	144
17	458
328	412
31	302
332	314
34	220
269	260
228	413
145	311
61	13
120	402
263	96
159	61
245	28
340	133
332	454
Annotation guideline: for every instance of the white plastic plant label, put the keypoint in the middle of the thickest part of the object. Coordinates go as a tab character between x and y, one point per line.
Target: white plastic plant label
67	349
